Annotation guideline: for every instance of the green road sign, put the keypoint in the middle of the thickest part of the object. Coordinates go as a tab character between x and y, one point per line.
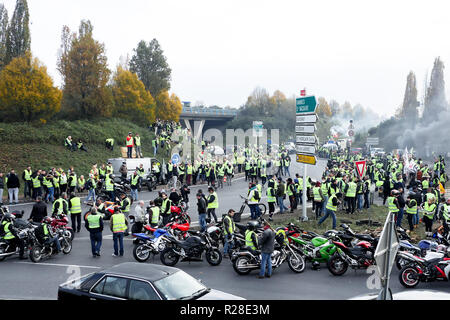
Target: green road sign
305	105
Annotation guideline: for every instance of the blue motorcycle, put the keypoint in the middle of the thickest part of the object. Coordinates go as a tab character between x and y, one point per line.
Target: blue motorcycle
149	244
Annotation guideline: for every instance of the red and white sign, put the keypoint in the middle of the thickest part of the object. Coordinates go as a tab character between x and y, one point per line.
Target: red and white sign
351	133
303	93
361	168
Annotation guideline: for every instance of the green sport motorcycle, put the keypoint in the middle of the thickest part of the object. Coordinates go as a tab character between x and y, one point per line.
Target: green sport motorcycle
318	249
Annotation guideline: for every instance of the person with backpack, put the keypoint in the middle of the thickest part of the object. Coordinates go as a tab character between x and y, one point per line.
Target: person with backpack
253	198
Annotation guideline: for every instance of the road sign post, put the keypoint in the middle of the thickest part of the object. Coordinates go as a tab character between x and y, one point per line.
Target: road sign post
306	139
385	255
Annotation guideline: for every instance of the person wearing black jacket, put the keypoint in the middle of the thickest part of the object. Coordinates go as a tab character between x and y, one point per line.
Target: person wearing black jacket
39	211
174	197
185	195
13	185
201	208
94	224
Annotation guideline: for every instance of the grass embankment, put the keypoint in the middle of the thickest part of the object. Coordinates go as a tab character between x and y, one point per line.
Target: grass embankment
42	146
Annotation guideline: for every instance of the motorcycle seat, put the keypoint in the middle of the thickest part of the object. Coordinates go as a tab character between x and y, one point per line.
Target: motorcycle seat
142	236
365	237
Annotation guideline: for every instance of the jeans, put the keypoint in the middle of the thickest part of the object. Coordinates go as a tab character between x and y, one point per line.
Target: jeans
129	152
286	171
13	194
325	201
50	194
91	195
96	242
118	240
328	213
400	217
281	204
138	152
27	188
155	150
1	196
266	260
416	219
253	211
212	211
55	241
360	201
202	220
227	245
134	194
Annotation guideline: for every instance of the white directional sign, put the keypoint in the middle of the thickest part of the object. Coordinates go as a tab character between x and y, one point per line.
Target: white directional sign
300	148
312	118
305	129
306	139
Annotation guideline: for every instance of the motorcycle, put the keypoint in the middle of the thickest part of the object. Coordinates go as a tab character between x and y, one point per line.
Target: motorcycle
191	249
149	244
62	222
237	215
245	260
361	256
151	182
7	249
317	250
434	267
40	251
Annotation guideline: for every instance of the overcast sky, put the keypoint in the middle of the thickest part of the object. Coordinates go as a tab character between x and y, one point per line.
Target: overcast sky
219	51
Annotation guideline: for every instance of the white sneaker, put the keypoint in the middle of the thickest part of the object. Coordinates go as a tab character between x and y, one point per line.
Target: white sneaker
114	255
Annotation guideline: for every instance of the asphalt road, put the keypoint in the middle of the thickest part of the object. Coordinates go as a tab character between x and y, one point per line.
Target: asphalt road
28	280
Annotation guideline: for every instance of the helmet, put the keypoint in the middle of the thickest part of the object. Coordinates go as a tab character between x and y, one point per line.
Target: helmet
252	225
47	220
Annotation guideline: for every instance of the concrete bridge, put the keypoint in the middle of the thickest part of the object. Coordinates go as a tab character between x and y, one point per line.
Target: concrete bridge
200	115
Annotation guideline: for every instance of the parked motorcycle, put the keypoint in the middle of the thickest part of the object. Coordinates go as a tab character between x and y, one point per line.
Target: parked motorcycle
361	256
61	221
237	215
317	250
244	260
190	249
149	244
434	267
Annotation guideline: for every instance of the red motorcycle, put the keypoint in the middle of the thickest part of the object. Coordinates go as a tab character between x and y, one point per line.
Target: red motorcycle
360	256
180	215
61	222
178	230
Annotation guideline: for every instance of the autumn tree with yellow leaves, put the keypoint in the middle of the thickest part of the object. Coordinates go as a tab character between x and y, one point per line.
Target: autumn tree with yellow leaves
131	100
168	107
27	92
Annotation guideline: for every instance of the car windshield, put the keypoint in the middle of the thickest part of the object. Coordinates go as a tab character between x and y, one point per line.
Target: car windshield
179	285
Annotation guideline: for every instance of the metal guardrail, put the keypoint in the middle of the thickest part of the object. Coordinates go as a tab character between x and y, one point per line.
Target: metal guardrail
209	112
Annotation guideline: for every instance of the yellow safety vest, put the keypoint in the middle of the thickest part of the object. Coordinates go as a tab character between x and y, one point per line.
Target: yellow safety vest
119	224
76	205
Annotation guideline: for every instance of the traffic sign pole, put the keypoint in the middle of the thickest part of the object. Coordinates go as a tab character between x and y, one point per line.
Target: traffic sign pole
304	214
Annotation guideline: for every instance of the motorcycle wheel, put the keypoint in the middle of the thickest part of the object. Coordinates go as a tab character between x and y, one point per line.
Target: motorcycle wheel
35	253
336	265
69	234
149	186
141	253
168	257
2	250
67	247
409	277
262	208
296	264
241	261
214	257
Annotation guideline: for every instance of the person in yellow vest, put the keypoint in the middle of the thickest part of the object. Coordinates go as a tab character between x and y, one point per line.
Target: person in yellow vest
72	182
411	211
81	184
165	208
118	225
429	208
137	143
94	224
75	212
26	176
318	199
350	193
212	204
271	198
153	214
331	208
229	228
